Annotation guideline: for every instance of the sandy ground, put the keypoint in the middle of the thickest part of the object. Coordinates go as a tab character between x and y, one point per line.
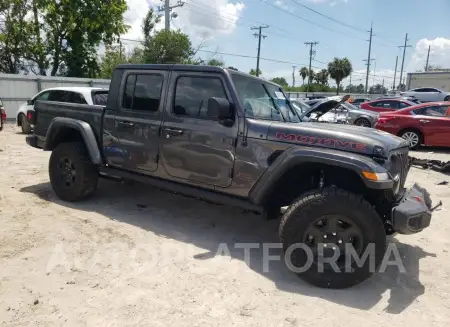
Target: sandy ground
137	256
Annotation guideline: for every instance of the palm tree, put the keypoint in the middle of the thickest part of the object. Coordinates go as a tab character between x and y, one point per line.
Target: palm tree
303	73
322	77
339	69
311	75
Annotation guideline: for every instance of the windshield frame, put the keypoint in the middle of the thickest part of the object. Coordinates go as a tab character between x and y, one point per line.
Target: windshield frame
268	87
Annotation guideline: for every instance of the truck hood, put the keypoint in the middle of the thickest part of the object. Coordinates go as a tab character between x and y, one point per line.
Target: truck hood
349	138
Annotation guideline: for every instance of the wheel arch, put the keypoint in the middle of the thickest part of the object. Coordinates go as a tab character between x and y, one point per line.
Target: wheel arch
63	129
282	179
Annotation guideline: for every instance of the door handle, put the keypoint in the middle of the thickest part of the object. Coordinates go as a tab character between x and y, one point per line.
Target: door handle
126	124
174	132
423	121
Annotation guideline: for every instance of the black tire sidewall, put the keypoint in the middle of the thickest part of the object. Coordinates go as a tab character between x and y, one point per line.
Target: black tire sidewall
26	128
314	205
363	119
86	177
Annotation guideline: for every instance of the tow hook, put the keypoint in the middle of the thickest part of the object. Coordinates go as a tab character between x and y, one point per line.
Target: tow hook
436	206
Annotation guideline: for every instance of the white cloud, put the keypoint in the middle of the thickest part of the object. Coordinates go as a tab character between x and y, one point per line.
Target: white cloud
439	53
196	18
281	4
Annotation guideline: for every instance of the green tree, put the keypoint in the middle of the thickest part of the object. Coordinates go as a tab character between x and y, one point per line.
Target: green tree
15	33
215	62
168	47
360	88
113	56
311	75
339	69
322	77
303	73
377	89
74	29
253	72
280	81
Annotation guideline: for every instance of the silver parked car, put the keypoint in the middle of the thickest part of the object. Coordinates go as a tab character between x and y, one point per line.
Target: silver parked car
333	110
427	94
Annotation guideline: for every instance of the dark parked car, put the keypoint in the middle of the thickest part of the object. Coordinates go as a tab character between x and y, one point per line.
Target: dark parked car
385	105
234	139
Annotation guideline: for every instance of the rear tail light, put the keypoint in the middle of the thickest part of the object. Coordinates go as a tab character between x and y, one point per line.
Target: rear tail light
31	117
384	120
3	114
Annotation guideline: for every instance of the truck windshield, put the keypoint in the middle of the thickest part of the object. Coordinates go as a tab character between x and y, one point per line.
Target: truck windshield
263	100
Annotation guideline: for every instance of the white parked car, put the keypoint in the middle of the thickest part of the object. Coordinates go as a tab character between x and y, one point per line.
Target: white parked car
427	94
81	95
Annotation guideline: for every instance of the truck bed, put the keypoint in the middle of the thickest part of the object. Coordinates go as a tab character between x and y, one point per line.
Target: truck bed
47	111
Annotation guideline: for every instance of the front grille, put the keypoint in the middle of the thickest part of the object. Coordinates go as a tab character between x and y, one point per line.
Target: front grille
399	167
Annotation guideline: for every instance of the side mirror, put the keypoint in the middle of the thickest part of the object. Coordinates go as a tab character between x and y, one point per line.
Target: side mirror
30	102
220	109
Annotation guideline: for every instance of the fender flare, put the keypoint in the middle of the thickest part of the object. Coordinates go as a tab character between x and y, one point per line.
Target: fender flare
80	126
296	156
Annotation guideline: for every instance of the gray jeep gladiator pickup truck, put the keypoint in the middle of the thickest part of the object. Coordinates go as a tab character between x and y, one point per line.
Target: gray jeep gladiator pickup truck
234	139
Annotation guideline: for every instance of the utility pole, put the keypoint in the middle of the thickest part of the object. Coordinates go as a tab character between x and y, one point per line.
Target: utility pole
167	8
293	76
368	58
404	52
259	36
311	54
395	73
368	73
350	80
428	58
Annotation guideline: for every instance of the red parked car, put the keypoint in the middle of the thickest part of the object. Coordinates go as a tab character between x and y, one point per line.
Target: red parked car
385	105
426	123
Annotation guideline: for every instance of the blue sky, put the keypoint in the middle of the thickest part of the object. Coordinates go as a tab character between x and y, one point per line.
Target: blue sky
224	25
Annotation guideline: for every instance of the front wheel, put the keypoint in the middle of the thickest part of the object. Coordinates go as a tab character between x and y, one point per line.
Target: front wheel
447	98
324	231
72	175
413	137
363	122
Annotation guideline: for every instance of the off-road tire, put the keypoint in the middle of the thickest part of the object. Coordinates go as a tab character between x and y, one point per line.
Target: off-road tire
315	204
86	178
26	127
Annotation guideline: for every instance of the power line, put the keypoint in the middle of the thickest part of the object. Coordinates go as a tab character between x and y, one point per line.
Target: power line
309	21
328	17
259	36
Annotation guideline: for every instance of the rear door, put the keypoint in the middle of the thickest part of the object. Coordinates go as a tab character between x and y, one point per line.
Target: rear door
435	125
138	120
194	147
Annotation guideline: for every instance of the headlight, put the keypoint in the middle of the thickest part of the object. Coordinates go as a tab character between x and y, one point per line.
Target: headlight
377	177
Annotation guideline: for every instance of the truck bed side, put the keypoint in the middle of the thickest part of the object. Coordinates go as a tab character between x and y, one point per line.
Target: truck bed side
46	111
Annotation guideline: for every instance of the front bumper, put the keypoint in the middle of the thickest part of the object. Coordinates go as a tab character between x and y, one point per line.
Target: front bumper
413	213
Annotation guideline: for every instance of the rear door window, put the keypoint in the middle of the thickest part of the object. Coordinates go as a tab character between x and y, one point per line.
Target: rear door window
143	92
435	111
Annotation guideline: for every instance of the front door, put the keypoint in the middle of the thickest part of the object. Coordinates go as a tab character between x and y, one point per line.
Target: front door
138	120
194	147
435	125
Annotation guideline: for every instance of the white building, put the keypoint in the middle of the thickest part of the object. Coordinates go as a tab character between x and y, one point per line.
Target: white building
439	80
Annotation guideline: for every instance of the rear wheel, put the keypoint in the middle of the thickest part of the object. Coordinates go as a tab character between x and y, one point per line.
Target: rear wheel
26	127
413	137
363	122
320	231
72	174
447	98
